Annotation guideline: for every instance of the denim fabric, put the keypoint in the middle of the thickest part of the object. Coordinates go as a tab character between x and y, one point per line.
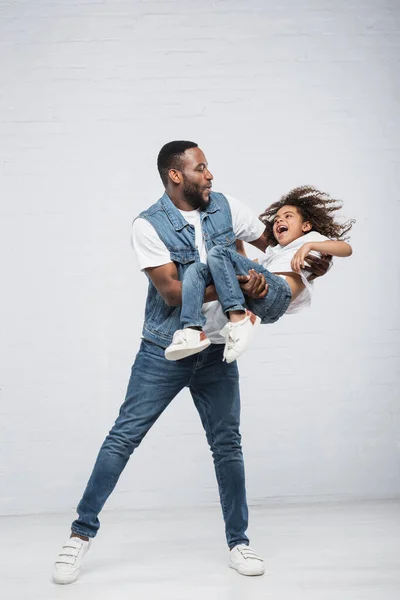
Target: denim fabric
154	382
223	266
195	280
161	321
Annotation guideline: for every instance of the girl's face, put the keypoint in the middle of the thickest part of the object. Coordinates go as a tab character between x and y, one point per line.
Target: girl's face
289	225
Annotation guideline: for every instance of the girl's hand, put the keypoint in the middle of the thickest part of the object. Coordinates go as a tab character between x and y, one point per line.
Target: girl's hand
298	260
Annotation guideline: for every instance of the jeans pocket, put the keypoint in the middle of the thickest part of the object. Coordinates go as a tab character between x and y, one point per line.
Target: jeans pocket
151	348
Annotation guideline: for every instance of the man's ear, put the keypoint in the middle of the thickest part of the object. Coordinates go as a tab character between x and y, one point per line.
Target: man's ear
175	176
306	227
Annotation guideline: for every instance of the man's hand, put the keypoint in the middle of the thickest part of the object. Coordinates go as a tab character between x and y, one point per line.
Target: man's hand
253	285
318	266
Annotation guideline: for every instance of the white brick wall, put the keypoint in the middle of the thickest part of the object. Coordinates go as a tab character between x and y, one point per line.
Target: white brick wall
277	94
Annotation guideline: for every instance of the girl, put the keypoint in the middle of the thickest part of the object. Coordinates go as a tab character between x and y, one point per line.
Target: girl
301	223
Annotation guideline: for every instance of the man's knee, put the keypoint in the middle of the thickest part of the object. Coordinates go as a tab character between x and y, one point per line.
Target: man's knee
124	438
227	447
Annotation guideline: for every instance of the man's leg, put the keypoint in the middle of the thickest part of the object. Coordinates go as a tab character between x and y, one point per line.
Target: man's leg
154	382
215	390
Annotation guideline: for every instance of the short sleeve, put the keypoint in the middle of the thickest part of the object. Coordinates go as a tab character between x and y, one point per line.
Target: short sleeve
149	249
246	225
314	236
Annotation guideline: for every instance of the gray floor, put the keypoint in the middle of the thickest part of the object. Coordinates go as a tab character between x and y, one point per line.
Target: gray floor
341	551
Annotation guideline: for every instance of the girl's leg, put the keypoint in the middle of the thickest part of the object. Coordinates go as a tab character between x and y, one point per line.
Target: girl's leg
224	267
225	264
191	339
195	280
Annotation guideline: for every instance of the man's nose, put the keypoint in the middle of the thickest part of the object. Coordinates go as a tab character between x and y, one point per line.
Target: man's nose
209	175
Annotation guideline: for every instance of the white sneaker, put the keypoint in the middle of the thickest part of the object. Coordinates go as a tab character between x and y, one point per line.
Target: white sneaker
238	335
246	561
186	342
68	563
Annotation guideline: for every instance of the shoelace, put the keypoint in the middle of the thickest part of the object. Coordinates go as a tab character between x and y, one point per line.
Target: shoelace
179	337
71	553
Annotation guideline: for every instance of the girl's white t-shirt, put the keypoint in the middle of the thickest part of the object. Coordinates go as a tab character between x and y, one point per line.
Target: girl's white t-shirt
152	252
277	259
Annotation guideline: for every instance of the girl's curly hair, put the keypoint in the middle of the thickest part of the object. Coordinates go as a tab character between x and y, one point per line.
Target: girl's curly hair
314	206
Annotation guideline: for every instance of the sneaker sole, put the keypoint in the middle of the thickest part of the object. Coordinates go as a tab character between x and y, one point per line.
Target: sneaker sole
178	354
243	571
64	579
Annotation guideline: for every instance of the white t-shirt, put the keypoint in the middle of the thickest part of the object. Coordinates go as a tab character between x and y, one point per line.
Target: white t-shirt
152	252
277	259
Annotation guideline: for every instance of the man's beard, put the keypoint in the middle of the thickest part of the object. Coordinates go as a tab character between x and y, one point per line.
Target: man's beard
193	195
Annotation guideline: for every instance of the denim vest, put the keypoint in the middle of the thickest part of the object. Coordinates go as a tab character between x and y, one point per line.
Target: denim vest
161	320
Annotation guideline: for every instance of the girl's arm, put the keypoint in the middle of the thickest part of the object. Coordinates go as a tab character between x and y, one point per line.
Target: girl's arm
332	247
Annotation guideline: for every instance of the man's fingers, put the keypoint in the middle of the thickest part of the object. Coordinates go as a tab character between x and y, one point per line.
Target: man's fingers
316	269
254	285
261	283
250	288
247	282
318	266
324	260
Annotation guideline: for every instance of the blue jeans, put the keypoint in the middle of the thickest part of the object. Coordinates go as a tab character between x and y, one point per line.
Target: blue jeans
154	382
223	266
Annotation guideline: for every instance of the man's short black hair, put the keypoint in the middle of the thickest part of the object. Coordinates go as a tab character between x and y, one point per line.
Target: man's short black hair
170	157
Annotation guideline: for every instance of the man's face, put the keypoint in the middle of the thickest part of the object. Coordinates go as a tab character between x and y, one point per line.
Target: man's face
289	225
196	178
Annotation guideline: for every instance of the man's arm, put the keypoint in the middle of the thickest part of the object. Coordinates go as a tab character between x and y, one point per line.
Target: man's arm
240	248
165	279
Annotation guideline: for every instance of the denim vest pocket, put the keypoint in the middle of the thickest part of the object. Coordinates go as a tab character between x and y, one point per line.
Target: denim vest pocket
183	256
224	238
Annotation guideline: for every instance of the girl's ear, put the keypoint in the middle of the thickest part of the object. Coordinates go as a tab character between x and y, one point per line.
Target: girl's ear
306	227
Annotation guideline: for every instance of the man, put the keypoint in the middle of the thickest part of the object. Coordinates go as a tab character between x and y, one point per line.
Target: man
178	230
